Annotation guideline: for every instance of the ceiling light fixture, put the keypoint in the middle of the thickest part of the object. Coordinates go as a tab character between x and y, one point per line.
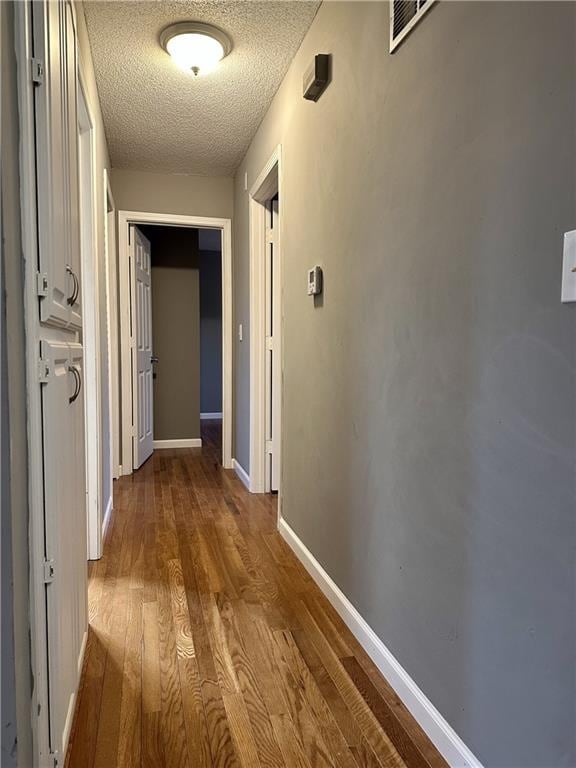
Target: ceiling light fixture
195	47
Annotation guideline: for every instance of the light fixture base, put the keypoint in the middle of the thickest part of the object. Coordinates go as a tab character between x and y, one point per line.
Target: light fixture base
199	28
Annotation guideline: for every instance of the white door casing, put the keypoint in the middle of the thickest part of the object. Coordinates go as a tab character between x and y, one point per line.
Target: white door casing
90	328
272	354
266	314
143	418
111	276
126	222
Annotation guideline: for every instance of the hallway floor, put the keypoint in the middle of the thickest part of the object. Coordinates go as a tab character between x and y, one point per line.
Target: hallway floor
209	645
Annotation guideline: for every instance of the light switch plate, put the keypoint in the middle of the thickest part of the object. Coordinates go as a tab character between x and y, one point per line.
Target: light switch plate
569	267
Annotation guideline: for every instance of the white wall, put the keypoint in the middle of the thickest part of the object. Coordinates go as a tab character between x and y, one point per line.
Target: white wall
102	162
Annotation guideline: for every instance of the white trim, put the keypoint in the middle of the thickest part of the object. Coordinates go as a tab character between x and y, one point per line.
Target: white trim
204	416
185	442
74	697
442	735
125	218
107	516
90	322
38	624
269	181
241	472
111	256
395	41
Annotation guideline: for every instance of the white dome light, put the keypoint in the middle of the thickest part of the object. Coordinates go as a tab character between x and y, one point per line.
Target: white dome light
195	47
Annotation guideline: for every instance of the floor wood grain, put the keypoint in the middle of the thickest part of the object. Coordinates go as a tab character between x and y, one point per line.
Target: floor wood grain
209	644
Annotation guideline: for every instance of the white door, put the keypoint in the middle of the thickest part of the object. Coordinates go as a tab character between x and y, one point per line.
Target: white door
65	530
273	371
55	107
141	346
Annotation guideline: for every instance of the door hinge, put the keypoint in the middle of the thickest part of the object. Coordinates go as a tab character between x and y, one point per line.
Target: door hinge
55	758
49	573
270	343
42	284
37	71
268	446
44	371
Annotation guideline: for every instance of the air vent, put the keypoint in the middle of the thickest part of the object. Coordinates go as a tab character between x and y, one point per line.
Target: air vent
404	15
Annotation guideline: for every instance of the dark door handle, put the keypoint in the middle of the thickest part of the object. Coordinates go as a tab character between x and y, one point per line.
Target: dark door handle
154	359
78	383
76	289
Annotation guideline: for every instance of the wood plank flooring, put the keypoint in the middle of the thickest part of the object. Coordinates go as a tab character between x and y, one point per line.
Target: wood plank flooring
209	645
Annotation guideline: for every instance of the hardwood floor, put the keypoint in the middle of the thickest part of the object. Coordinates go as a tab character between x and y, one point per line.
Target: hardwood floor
209	645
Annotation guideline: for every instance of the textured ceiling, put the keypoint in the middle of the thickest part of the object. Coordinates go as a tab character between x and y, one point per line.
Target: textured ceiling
159	118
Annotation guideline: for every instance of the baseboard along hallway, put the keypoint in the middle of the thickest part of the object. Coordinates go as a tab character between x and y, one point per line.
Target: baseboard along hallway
209	644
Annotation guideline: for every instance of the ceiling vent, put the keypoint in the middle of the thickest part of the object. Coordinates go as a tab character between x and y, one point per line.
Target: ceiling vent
404	15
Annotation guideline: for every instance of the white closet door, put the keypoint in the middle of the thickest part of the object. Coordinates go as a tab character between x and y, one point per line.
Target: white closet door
142	340
65	527
55	111
72	172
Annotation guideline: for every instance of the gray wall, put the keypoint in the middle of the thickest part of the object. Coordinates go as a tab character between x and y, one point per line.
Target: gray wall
428	463
210	263
175	331
16	662
173	193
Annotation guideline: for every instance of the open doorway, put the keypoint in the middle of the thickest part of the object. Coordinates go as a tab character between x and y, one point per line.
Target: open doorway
186	314
176	314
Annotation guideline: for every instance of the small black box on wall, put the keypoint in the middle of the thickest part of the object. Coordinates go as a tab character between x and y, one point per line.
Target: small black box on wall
317	77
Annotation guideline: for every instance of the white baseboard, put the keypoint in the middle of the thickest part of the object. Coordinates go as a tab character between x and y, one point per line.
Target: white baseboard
107	516
72	703
241	472
211	415
186	442
442	735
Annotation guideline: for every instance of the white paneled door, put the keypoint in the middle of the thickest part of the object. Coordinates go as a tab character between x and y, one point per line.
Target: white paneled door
65	530
55	106
141	346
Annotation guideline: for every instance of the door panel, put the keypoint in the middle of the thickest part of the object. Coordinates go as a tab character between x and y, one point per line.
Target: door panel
55	114
65	527
72	171
142	345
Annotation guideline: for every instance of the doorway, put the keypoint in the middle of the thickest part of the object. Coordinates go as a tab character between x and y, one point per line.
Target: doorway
139	364
185	355
266	328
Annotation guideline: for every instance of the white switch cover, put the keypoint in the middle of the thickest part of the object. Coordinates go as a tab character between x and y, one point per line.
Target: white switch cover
569	267
240	332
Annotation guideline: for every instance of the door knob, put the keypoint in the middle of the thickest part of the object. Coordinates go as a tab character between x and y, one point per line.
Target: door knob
154	359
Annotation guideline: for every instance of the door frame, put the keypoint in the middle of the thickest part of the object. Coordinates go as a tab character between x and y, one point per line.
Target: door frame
268	183
29	233
110	254
125	219
90	324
